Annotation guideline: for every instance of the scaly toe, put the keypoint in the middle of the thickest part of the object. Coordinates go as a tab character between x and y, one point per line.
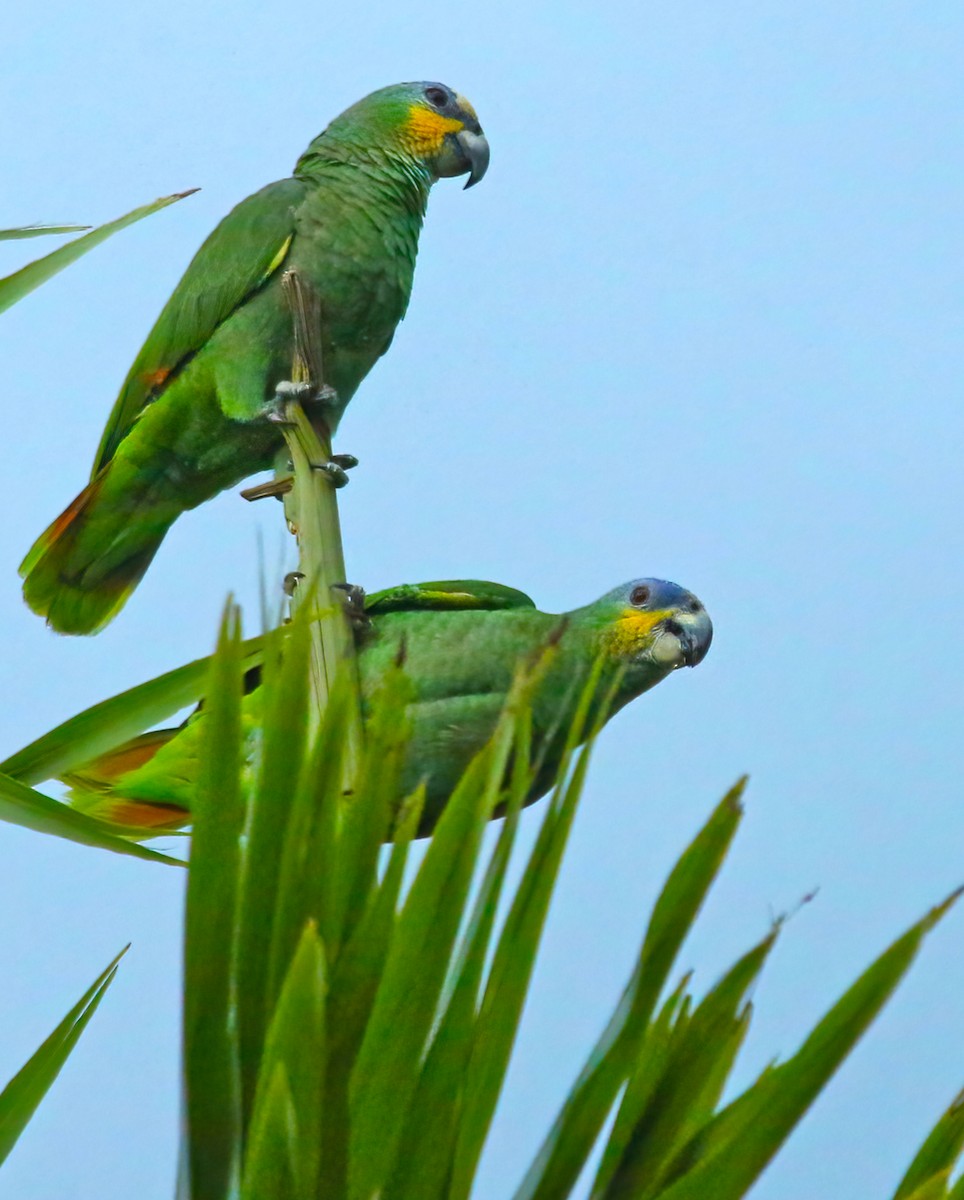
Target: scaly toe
336	474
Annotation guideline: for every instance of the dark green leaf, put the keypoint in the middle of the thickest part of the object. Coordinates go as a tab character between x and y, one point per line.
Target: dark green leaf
386	1071
516	950
355	981
431	1129
210	1050
284	699
564	1153
368	814
653	1122
939	1152
508	981
934	1188
271	1166
732	1151
296	1043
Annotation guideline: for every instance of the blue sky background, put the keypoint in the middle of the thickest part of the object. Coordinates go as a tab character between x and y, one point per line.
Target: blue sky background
701	321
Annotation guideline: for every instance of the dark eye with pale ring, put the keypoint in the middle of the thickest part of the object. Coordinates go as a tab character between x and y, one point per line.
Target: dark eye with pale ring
437	97
639	596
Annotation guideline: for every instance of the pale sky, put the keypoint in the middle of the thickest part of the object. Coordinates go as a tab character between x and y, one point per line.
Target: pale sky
701	321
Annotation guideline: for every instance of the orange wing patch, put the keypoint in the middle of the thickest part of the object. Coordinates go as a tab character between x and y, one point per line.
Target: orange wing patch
154	379
134	814
110	767
59	527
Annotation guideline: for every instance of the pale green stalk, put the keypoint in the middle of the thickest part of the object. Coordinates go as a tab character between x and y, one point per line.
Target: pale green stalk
311	509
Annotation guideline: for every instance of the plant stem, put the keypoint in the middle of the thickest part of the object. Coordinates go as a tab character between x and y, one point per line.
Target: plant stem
311	508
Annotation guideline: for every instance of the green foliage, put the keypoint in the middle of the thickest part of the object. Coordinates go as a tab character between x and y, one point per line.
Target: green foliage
103	726
348	1037
24	806
23	1093
14	287
928	1176
32	231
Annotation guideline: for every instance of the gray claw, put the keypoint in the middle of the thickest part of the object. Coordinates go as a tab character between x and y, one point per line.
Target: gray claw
336	474
287	389
346	461
353	599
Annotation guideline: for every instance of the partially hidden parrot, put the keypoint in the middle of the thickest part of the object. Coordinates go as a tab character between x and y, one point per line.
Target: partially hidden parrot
193	415
462	642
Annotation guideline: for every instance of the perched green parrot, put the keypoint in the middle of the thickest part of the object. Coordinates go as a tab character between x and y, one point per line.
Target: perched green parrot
463	641
194	414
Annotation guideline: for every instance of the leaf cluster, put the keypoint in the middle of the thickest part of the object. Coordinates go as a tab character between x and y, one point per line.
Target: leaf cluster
349	1015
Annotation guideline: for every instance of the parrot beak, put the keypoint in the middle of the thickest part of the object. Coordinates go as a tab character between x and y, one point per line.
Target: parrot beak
475	149
695	633
683	639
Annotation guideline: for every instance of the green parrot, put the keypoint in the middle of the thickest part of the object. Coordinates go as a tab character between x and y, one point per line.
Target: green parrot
463	641
194	414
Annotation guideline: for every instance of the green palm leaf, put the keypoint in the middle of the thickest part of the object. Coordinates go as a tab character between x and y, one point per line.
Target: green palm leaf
19	1099
14	287
32	231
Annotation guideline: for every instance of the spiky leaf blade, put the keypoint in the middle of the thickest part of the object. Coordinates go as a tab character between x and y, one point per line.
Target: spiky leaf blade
734	1148
210	1048
30	809
939	1152
563	1154
105	725
20	1098
14	287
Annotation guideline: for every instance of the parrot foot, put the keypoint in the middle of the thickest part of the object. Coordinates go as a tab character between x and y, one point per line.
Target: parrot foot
325	397
347	462
337	475
287	389
306	394
337	468
284	393
353	600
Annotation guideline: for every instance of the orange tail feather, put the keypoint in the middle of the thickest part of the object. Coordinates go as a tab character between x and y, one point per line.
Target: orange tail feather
92	786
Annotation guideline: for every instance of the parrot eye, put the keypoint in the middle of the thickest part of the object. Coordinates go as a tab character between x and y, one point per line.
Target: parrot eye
694	606
639	596
436	96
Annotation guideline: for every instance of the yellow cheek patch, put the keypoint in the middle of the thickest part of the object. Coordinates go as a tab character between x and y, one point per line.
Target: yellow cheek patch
634	626
424	130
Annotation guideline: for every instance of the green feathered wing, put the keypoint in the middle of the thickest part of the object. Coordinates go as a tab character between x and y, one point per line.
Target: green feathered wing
81	570
238	258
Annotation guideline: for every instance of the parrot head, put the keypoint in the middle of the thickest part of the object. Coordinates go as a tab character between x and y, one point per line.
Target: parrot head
650	627
425	121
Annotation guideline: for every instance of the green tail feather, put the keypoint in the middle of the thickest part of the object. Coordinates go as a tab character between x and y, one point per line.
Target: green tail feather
78	574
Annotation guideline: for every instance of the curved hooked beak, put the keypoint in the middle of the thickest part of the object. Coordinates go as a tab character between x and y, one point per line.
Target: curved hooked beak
684	639
475	149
